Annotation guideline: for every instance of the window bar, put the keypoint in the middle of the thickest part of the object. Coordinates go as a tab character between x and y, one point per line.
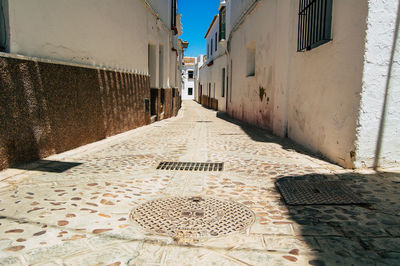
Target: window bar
315	21
319	20
311	8
299	27
324	13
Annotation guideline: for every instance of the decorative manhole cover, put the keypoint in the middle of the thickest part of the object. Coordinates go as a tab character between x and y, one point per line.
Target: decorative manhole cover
192	218
304	192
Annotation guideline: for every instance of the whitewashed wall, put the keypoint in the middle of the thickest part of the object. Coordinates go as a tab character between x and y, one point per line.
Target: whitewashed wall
106	33
379	43
188	83
211	35
312	97
213	75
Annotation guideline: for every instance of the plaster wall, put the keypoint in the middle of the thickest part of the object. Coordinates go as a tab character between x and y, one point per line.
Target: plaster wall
252	97
211	36
188	83
325	86
312	97
114	34
234	10
372	132
163	10
213	75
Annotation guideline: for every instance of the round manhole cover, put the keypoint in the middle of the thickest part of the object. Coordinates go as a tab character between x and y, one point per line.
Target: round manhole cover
192	217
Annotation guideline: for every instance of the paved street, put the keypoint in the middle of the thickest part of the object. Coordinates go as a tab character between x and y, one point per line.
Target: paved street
73	208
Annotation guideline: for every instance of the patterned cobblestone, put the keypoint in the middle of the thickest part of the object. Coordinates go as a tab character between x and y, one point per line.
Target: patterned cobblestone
73	208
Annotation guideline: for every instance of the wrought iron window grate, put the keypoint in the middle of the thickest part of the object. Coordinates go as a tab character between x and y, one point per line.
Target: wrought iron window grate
190	166
315	23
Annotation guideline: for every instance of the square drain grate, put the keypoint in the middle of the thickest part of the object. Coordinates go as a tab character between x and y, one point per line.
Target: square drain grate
304	192
190	166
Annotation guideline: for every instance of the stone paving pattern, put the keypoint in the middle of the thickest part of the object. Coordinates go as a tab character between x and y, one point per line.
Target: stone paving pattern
80	216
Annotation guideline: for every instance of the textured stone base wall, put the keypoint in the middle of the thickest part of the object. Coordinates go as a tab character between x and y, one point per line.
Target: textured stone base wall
166	102
208	102
48	108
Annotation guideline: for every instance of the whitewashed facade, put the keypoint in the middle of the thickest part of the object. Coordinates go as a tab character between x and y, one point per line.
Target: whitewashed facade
188	78
337	98
128	35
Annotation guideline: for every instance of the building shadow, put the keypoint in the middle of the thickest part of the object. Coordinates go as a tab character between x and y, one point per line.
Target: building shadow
352	234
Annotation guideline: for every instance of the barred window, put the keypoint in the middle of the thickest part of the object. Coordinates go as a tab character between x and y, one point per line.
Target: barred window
222	22
315	23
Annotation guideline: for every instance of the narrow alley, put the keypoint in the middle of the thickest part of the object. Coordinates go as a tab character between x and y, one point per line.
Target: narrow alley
74	208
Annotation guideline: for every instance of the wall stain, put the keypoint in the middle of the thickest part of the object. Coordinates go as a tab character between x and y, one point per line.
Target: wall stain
262	93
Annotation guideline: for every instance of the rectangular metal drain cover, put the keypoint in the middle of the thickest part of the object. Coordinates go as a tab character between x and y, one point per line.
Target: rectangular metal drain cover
303	192
190	166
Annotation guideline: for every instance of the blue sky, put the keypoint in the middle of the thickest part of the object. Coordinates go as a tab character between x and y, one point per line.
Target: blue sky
196	17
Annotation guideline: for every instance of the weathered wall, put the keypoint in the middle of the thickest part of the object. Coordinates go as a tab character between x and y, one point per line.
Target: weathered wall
252	97
379	45
48	108
311	97
325	86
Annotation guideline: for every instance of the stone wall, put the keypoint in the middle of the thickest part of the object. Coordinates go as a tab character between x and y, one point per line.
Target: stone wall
48	108
165	102
208	102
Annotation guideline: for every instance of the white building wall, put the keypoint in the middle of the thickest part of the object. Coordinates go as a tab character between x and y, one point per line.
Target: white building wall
112	34
213	75
211	36
188	83
373	138
163	9
312	97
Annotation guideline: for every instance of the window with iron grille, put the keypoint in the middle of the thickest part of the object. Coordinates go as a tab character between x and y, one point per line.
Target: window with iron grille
174	6
216	43
222	21
315	23
223	82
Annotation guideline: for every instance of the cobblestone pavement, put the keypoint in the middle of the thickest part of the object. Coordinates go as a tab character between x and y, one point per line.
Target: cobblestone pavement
73	208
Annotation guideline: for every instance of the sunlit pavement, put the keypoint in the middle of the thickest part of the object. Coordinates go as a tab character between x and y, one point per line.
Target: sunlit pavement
73	208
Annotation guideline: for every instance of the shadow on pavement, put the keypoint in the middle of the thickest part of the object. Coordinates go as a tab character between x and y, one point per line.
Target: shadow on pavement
47	166
367	234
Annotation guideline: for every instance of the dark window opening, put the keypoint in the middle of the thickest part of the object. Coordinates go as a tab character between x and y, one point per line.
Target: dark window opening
3	26
173	16
212	45
223	82
216	43
190	74
315	24
222	21
190	91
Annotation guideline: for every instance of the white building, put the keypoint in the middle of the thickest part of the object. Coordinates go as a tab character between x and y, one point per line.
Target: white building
199	63
335	91
128	35
213	73
188	78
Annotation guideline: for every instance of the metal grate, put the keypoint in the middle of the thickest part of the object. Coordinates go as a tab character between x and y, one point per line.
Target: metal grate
190	166
192	217
315	22
303	192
